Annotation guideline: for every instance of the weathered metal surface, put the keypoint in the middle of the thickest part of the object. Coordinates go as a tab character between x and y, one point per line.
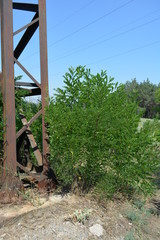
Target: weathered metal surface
27	124
0	79
9	58
38	177
25	84
28	74
8	87
29	92
26	38
26	26
44	76
25	6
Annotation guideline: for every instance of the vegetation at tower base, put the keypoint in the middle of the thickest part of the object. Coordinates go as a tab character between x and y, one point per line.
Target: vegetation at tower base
94	138
29	110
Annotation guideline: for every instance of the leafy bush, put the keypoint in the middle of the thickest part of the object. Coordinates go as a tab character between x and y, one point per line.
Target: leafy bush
94	140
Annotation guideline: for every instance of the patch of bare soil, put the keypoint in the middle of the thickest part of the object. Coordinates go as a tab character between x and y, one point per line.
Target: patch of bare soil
72	217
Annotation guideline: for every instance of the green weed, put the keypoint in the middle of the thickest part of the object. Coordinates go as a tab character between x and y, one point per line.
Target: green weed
129	236
82	216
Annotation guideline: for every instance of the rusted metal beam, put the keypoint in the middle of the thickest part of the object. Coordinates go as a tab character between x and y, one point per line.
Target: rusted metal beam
25	7
26	37
9	58
44	77
27	124
34	176
0	79
25	84
20	143
8	87
31	138
25	92
28	74
26	26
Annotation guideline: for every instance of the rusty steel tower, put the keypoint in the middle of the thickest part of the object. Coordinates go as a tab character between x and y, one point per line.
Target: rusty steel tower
10	57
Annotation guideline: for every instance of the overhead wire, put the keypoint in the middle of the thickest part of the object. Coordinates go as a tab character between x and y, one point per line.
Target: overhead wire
84	46
113	37
91	23
108	39
72	14
125	52
64	20
85	26
119	54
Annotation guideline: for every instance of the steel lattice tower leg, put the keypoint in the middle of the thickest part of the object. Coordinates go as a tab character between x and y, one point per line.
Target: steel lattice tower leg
44	75
8	85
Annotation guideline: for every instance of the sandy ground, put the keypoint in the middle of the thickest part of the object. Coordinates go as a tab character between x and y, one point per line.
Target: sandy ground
55	218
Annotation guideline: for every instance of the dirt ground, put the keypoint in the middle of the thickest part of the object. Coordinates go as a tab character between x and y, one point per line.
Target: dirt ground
57	217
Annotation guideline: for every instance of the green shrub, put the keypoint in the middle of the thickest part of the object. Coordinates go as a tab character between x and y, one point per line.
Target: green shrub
130	236
94	139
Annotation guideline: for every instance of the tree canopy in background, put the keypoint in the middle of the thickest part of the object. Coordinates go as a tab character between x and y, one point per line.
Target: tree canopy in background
147	96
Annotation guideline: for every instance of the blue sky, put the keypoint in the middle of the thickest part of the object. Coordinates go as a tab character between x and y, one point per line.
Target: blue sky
120	36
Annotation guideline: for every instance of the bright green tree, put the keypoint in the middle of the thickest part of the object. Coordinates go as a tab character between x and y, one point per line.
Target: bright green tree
94	140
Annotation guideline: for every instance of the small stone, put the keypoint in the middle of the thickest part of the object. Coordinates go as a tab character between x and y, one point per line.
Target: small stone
96	230
99	221
42	200
3	235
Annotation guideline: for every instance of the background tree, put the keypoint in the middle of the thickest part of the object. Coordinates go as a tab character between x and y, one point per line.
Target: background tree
145	95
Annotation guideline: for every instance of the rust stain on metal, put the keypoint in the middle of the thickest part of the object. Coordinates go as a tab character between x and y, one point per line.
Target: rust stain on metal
27	124
44	76
31	138
8	86
9	58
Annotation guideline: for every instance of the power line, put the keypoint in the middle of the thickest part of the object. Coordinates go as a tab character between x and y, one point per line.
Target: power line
105	40
87	25
64	20
72	14
75	50
119	54
91	23
126	52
